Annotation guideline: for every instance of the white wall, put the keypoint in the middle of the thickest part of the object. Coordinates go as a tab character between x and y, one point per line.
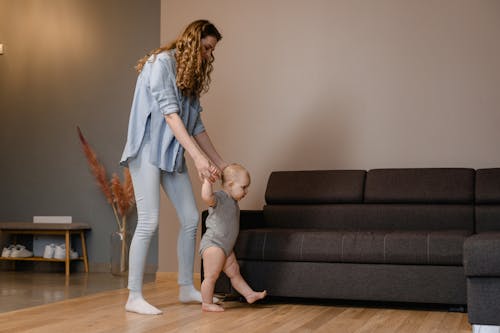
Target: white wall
326	84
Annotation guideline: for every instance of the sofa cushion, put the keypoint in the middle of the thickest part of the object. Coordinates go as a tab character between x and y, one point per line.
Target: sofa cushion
371	216
325	186
487	218
481	254
421	185
488	200
488	186
423	247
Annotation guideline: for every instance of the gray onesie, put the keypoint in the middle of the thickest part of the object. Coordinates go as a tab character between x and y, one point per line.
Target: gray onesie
223	224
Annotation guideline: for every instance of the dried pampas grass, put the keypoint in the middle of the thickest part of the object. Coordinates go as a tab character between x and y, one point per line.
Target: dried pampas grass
119	195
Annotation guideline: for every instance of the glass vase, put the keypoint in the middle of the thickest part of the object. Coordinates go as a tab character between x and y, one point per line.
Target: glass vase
120	245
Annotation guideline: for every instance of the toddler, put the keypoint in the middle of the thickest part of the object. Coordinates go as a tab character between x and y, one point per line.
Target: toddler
216	247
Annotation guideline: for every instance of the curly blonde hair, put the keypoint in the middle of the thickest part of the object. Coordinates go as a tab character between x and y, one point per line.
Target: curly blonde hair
193	72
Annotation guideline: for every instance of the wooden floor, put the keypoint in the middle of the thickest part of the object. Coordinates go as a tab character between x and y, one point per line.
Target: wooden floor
23	289
104	312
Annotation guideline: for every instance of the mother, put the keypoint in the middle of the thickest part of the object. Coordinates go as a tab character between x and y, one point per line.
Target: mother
164	122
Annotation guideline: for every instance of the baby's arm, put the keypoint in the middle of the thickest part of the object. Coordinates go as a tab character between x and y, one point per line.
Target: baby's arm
207	193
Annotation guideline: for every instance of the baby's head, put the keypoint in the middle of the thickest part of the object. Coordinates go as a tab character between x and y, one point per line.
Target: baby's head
235	181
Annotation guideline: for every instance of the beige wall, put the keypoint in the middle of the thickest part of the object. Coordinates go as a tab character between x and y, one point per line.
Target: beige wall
328	84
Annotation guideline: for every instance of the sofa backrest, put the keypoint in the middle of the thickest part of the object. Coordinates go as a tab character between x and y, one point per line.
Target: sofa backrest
315	187
420	186
380	199
488	200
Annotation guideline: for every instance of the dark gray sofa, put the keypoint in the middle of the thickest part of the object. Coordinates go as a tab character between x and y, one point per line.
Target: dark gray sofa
382	235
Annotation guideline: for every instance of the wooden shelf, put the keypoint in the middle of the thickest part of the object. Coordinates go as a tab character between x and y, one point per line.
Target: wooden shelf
62	229
38	259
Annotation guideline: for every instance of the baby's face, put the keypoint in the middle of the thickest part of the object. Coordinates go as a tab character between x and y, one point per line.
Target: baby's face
239	187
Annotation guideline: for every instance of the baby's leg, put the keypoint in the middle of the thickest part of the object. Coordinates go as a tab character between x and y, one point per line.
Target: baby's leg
232	270
213	261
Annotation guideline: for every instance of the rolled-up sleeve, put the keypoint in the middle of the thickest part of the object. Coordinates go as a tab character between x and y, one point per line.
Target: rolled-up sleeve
198	127
162	83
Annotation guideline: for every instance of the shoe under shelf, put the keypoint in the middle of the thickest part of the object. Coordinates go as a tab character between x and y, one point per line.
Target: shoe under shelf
62	229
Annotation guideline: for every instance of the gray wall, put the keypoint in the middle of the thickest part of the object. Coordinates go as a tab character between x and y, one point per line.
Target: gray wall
68	63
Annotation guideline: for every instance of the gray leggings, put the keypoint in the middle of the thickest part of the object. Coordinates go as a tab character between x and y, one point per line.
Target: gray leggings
146	179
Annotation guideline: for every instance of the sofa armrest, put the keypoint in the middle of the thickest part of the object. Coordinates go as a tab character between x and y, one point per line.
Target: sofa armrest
482	270
482	254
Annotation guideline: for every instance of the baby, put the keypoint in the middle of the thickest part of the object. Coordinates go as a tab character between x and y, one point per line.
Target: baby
223	223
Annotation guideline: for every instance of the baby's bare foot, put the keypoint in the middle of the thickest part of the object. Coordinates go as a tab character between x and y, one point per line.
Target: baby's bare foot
211	307
255	296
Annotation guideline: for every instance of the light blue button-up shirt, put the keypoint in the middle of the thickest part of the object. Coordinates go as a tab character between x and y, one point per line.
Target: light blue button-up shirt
156	95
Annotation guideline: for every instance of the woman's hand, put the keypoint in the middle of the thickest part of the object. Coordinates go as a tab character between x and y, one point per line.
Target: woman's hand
204	142
206	170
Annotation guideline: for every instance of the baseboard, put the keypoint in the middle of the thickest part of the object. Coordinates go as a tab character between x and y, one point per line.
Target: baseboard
105	268
169	276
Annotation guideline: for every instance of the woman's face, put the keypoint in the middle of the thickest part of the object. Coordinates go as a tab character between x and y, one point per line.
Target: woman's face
207	47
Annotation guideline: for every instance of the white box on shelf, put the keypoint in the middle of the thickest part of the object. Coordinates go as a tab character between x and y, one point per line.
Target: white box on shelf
52	219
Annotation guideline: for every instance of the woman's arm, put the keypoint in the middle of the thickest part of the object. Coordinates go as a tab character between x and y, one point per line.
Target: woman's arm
203	165
203	140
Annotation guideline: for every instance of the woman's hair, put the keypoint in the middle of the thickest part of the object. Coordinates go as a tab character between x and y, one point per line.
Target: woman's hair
193	72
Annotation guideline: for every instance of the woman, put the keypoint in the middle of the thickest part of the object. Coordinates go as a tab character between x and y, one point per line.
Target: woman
164	122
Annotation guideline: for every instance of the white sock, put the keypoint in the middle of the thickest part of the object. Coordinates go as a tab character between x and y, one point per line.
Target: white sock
136	303
188	294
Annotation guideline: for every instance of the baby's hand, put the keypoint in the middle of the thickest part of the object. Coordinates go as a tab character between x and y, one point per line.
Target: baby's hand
214	171
209	178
